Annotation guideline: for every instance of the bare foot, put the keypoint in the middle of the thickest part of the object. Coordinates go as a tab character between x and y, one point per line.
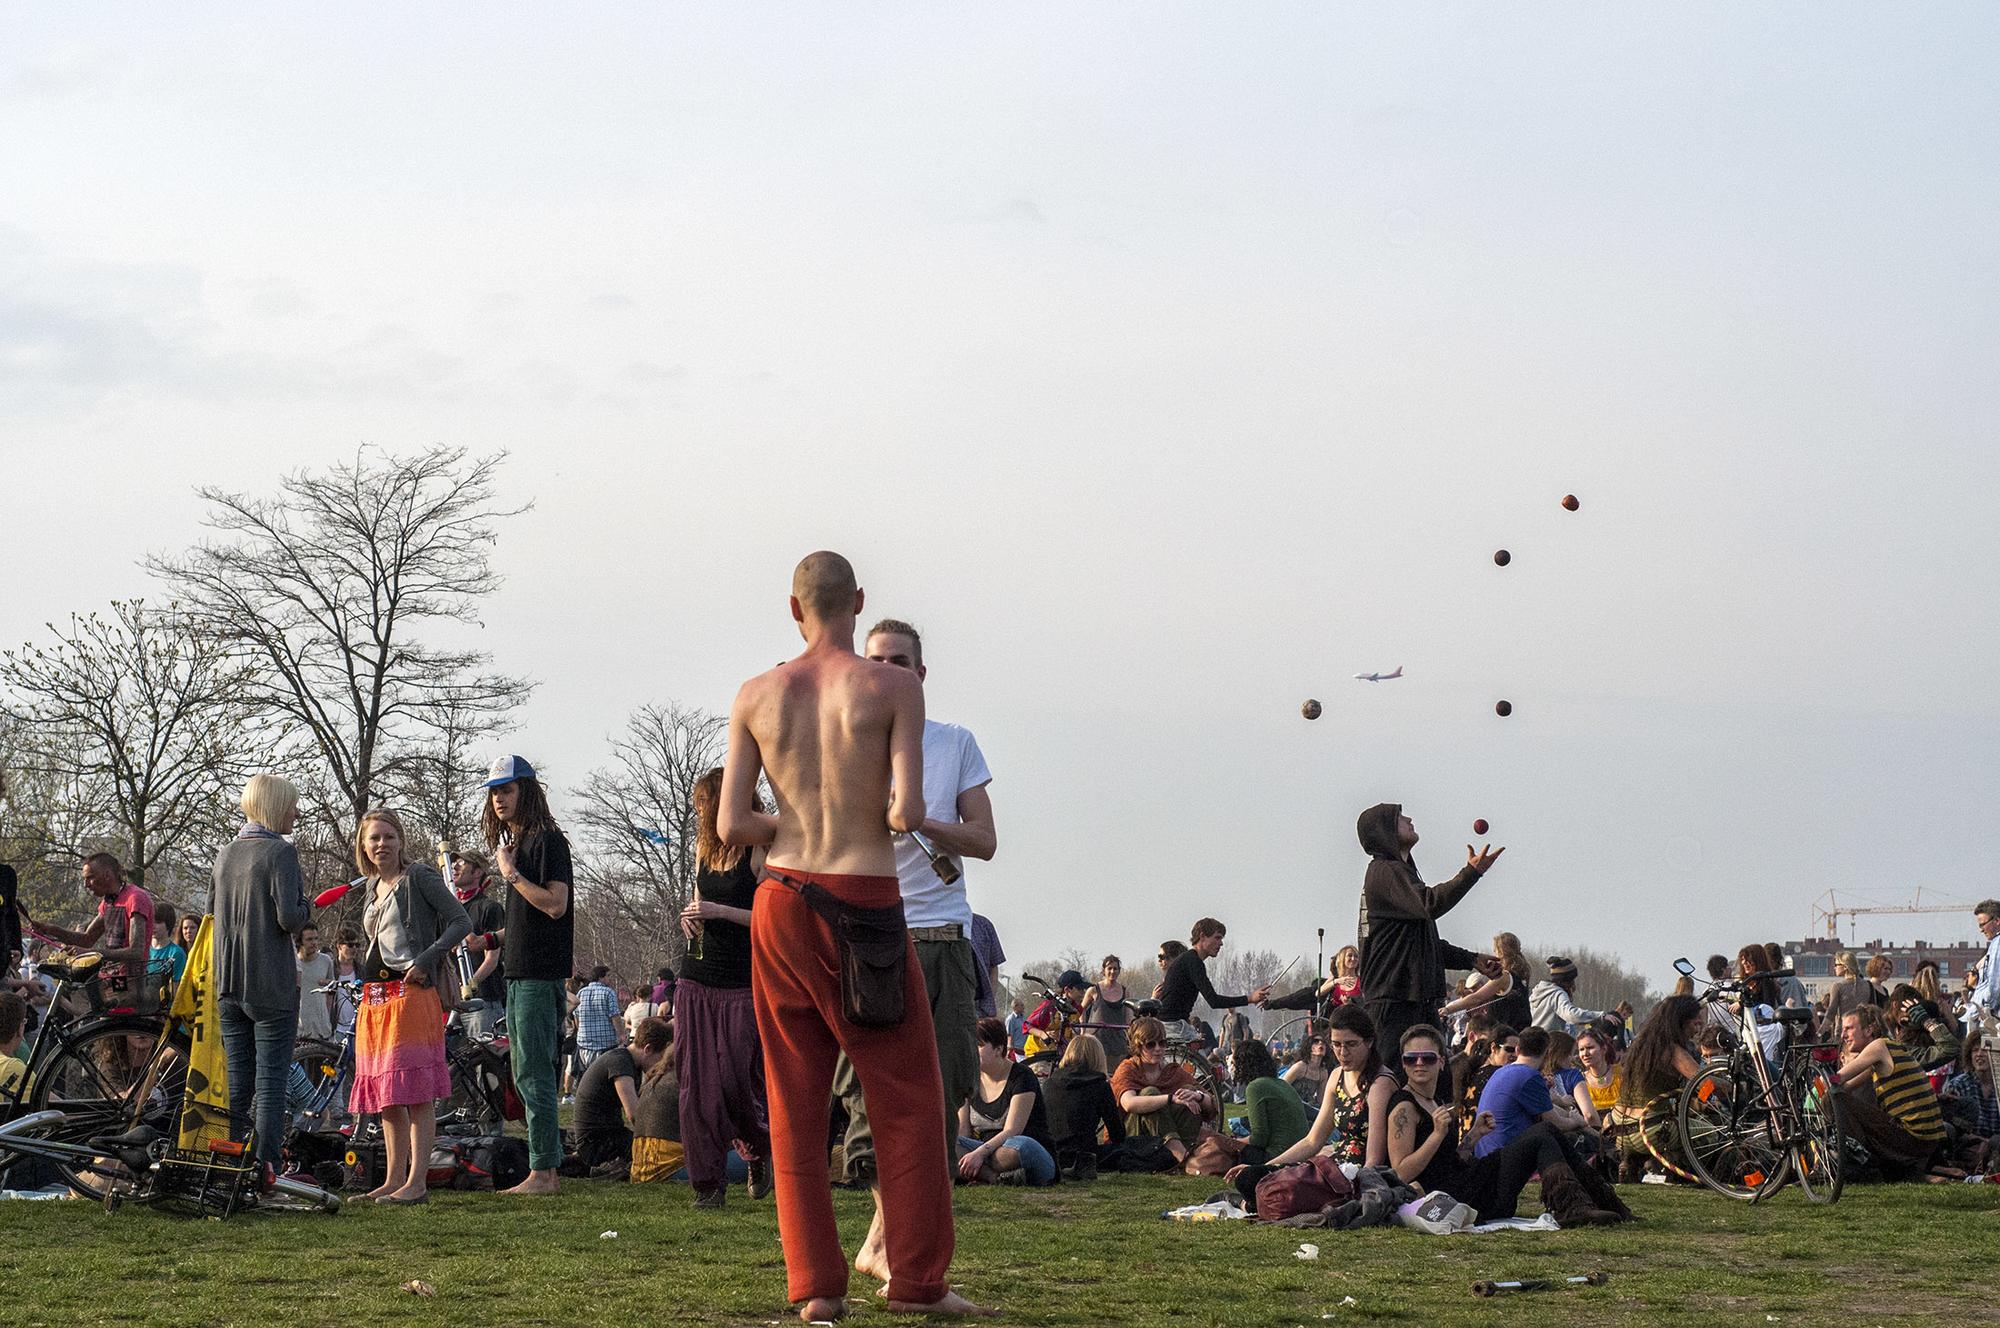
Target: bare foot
874	1256
950	1303
538	1182
823	1309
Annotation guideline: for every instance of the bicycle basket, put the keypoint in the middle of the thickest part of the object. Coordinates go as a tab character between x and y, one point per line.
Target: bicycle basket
211	1183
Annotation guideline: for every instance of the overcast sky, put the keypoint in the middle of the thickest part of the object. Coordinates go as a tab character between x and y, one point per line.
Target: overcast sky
1167	365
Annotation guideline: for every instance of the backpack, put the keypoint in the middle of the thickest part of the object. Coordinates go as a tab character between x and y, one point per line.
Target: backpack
494	1162
1304	1187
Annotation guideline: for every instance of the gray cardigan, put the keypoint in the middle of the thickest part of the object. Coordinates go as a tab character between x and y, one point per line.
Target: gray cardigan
260	901
431	914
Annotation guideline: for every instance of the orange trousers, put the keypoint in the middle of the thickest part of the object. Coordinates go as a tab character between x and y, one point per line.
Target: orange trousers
795	981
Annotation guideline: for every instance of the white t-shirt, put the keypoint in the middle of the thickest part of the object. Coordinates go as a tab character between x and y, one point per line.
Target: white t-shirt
952	764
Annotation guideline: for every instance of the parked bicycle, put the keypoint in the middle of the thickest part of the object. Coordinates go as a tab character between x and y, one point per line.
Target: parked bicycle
1747	1125
95	1069
1180	1049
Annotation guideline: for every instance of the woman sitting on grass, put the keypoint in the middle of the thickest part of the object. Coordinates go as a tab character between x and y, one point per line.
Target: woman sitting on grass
1662	1058
1005	1127
1309	1070
1356	1097
656	1125
1277	1117
1428	1150
1159	1098
1919	1026
1079	1102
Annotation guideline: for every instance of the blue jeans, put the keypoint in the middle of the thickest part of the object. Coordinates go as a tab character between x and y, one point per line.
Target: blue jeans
258	1043
1035	1159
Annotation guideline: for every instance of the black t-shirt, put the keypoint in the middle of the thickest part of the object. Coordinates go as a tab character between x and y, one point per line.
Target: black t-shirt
1020	1079
537	945
1187	978
597	1105
724	946
1446	1168
488	914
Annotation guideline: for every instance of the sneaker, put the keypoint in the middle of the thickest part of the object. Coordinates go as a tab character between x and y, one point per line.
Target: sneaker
760	1177
1014	1176
714	1198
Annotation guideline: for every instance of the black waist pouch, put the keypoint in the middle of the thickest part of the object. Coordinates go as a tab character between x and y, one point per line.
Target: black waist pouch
872	948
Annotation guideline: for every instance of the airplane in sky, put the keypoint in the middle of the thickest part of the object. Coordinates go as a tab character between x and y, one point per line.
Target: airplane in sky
1380	677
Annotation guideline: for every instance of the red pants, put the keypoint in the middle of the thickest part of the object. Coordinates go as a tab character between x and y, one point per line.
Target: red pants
795	979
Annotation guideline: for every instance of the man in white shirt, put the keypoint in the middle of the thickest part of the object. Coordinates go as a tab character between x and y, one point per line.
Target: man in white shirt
958	824
1985	1001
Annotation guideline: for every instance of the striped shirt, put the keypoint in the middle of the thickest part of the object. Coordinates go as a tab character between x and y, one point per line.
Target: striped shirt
597	1016
1905	1093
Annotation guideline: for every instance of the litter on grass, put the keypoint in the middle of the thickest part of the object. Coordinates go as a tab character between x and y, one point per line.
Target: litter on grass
1307	1251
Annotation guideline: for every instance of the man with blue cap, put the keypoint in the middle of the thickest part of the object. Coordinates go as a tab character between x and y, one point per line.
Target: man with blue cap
537	949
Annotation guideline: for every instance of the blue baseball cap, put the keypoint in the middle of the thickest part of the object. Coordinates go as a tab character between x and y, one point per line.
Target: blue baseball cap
508	769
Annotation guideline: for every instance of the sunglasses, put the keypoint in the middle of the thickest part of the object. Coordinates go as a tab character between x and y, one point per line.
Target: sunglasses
1420	1058
1147	1046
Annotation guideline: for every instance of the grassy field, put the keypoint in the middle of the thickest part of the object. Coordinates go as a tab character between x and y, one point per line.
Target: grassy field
1089	1256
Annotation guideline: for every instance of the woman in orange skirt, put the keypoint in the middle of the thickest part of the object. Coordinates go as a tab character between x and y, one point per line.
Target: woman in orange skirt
411	922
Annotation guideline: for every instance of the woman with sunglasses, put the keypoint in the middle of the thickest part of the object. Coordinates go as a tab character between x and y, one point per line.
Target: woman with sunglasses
1158	1097
1428	1150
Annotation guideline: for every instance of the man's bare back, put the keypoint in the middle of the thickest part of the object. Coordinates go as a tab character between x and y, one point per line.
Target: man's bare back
828	727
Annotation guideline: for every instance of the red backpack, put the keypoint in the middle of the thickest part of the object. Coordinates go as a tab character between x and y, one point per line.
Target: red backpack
1304	1187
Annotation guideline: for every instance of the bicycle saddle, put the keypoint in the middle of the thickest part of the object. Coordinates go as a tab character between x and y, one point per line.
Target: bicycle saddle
71	966
1794	1014
134	1147
1147	1008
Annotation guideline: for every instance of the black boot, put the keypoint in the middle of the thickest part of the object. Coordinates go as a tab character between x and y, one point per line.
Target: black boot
1564	1195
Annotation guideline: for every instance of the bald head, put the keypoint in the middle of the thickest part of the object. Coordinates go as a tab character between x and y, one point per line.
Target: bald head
824	586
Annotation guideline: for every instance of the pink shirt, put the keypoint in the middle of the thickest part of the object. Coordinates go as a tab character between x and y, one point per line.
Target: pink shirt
128	921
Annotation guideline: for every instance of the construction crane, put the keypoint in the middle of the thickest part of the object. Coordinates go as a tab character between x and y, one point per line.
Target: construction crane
1830	910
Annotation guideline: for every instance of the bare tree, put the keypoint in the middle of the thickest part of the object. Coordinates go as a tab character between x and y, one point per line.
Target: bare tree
439	781
637	823
135	721
323	591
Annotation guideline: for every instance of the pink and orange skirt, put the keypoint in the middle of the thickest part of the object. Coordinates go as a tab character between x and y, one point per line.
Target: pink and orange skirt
399	1048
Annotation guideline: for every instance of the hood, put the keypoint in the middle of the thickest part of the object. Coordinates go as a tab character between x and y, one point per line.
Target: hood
9	884
1377	830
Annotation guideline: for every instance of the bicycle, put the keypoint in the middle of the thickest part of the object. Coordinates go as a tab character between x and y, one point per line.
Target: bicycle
101	1072
1178	1048
1747	1127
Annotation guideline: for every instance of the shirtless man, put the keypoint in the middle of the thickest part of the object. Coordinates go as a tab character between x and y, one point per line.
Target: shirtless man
836	732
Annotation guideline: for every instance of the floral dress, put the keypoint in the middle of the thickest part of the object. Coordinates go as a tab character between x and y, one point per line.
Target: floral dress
1350	1118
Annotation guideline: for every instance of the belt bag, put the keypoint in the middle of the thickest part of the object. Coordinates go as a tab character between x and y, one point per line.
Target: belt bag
872	946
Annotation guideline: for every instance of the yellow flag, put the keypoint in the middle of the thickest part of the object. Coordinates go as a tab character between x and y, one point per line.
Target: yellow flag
204	1112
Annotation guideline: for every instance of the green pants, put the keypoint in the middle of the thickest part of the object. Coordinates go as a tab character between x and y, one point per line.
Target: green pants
534	1037
951	979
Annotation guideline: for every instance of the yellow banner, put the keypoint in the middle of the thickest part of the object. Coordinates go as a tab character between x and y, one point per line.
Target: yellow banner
204	1113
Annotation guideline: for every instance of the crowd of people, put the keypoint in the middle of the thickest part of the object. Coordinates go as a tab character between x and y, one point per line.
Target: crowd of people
836	1021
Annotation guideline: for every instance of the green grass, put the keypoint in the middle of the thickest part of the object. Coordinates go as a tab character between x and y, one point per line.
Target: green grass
1089	1256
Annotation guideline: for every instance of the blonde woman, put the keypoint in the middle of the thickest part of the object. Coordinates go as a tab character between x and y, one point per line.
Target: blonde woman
260	904
1505	997
1345	984
410	923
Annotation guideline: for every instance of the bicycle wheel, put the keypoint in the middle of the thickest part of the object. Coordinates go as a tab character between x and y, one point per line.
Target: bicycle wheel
1726	1134
1204	1074
1298	1029
94	1080
1818	1157
320	1061
1042	1063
